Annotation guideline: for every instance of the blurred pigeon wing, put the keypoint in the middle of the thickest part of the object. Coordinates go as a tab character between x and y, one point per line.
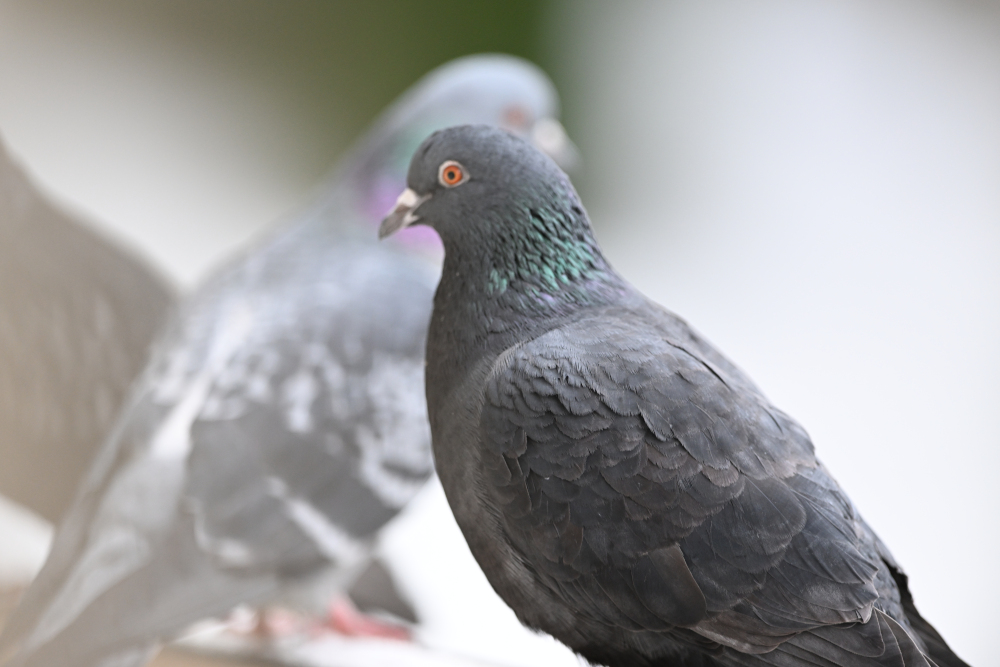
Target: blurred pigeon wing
77	317
660	491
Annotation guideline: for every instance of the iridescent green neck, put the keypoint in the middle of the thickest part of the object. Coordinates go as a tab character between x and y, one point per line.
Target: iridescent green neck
537	262
548	258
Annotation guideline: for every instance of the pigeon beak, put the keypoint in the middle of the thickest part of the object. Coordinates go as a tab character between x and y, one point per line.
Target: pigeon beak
402	214
550	137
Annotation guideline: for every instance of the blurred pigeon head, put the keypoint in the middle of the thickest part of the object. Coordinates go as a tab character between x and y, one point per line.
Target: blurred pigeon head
491	89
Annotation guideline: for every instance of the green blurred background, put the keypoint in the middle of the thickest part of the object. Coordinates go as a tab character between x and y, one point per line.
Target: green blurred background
334	65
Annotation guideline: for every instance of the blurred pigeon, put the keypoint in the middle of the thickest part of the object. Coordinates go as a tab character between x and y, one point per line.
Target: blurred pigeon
77	316
622	484
281	421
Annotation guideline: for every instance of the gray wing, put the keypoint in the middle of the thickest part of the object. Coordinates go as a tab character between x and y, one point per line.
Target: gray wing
661	494
281	425
77	317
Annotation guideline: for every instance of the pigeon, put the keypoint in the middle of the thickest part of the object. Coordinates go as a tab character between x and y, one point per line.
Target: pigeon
77	317
281	421
624	486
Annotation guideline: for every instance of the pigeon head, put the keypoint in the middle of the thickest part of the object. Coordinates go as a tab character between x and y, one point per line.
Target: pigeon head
496	89
507	214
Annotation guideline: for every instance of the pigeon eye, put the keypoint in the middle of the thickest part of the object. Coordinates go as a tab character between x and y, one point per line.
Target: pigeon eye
451	174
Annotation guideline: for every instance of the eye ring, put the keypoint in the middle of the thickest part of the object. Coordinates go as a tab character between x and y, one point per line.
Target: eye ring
452	174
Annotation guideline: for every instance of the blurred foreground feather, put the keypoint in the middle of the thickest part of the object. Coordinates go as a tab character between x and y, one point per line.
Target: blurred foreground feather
77	316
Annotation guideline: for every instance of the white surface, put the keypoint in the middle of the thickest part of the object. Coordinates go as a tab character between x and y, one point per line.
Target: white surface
325	651
337	652
24	541
816	187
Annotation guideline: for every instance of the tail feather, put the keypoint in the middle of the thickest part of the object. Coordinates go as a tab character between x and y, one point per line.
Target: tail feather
881	642
937	648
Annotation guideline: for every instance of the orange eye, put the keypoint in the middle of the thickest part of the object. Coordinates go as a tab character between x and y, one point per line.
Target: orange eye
451	174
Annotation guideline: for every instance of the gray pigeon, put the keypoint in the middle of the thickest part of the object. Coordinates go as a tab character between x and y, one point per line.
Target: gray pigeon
625	487
77	316
281	421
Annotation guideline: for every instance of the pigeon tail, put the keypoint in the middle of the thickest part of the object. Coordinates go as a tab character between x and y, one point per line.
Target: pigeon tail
937	649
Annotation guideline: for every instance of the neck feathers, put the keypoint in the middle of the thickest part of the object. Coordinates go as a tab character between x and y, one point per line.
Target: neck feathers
546	263
531	275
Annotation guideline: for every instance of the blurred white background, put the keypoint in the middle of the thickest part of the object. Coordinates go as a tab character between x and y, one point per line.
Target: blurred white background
815	186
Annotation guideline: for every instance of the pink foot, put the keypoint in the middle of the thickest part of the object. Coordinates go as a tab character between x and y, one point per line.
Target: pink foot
343	617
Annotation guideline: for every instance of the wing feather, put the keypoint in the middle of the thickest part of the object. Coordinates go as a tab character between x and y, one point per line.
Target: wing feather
656	486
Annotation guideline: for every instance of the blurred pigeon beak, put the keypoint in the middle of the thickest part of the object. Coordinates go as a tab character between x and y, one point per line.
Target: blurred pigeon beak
402	215
550	137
